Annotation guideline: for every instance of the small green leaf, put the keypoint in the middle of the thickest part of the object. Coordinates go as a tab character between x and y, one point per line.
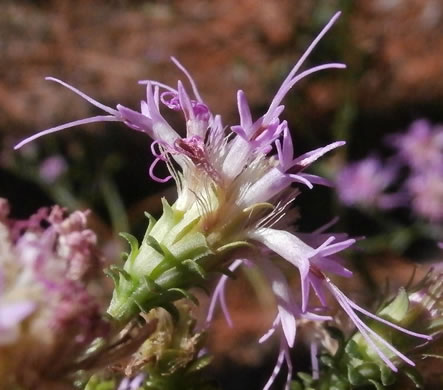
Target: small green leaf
361	374
376	384
141	306
388	377
398	308
234	245
117	275
169	257
200	363
133	242
306	378
296	386
152	242
354	377
168	212
121	271
186	294
184	227
352	349
151	224
327	360
151	285
193	266
113	275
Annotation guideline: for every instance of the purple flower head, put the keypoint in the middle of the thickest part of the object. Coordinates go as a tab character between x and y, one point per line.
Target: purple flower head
363	184
205	147
426	190
421	147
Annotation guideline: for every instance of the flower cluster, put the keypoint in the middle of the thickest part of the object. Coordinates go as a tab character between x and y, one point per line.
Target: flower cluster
48	312
421	150
234	191
367	183
421	147
364	183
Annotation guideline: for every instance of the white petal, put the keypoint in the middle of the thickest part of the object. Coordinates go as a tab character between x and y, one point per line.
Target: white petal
291	249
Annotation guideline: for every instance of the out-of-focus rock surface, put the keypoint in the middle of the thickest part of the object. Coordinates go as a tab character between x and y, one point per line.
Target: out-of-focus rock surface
394	50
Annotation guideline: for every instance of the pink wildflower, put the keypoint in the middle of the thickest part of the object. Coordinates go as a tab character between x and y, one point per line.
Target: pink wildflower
426	191
233	188
364	183
421	147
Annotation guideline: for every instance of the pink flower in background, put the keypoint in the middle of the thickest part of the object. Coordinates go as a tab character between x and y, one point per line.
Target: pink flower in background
426	189
363	183
366	183
47	266
421	147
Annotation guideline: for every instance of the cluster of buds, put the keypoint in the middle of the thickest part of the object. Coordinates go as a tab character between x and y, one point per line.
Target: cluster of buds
48	311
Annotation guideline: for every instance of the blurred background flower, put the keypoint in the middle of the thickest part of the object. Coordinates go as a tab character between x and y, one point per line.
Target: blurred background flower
51	296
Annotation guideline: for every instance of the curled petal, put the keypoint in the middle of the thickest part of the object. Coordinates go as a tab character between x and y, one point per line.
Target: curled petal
219	295
191	80
283	89
94	102
94	119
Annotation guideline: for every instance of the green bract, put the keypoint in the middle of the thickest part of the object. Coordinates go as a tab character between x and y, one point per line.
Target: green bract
174	255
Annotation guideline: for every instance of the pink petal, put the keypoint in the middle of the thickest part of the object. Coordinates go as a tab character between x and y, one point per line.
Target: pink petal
99	118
